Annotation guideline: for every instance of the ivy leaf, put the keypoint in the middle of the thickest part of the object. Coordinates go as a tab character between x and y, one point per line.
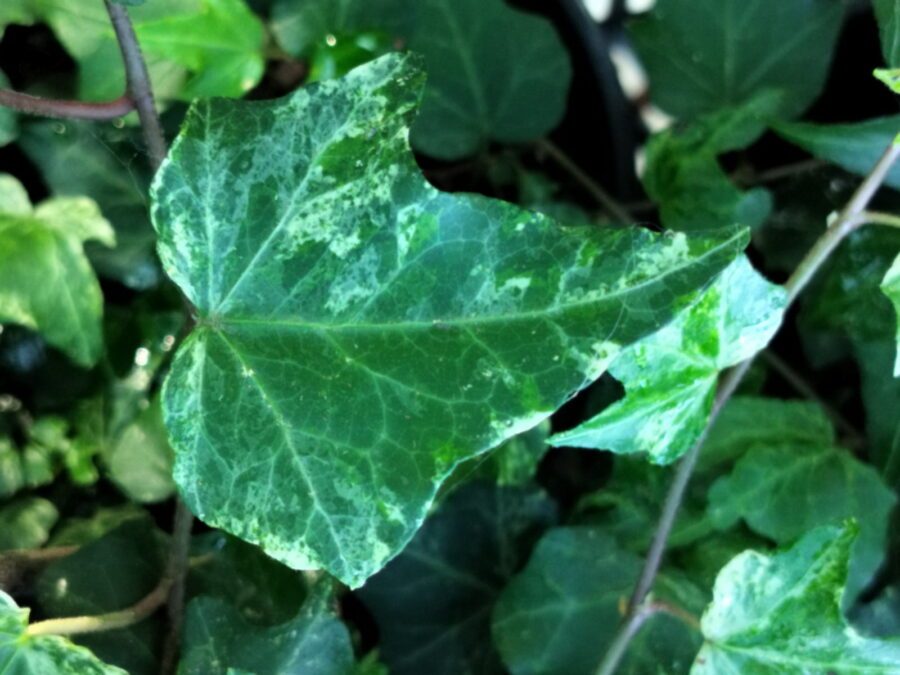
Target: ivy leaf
26	522
139	460
560	613
703	55
300	25
99	152
891	287
684	177
192	47
881	398
783	490
219	641
329	277
28	655
888	14
132	558
670	377
46	283
494	73
854	147
781	613
433	603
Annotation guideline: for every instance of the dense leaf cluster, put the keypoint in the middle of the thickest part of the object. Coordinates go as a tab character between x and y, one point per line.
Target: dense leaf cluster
432	430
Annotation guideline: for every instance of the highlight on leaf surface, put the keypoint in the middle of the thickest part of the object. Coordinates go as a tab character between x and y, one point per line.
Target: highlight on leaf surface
891	287
361	333
781	613
46	282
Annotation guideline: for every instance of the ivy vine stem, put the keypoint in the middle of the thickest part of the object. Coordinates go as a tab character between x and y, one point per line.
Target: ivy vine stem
850	218
65	109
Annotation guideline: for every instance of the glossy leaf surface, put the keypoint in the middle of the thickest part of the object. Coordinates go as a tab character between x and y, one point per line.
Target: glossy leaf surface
670	377
330	277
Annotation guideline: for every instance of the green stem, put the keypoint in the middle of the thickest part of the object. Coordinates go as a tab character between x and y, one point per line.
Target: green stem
843	224
880	218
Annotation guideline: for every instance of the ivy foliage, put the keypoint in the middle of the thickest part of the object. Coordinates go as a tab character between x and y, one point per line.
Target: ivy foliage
424	398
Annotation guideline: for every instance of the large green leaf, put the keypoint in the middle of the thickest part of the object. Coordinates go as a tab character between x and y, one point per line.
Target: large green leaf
855	147
193	47
433	603
331	279
46	283
891	287
494	73
781	614
219	641
703	55
683	174
21	654
670	377
888	15
782	490
561	612
130	559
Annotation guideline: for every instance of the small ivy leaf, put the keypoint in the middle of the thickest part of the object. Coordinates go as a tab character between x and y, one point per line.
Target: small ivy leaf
683	174
781	613
854	147
41	655
494	73
329	277
132	559
670	377
890	77
782	490
46	282
887	12
703	55
891	287
26	523
218	640
433	602
560	613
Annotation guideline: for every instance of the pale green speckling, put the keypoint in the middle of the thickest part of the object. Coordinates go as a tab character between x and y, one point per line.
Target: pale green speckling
781	613
670	377
361	333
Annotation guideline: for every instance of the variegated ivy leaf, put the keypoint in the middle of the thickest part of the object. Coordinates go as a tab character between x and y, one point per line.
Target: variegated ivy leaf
891	288
670	377
46	654
781	614
359	332
46	282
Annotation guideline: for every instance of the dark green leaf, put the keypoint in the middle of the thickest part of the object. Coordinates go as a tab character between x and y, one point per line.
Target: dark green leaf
782	490
330	277
855	147
683	174
113	171
130	560
218	641
44	655
891	287
888	15
881	397
703	55
26	523
879	617
81	531
561	612
9	125
670	377
781	613
433	603
46	283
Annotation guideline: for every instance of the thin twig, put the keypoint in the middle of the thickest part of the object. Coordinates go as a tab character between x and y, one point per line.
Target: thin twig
15	564
615	209
780	172
803	387
880	218
64	109
848	220
177	573
138	81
